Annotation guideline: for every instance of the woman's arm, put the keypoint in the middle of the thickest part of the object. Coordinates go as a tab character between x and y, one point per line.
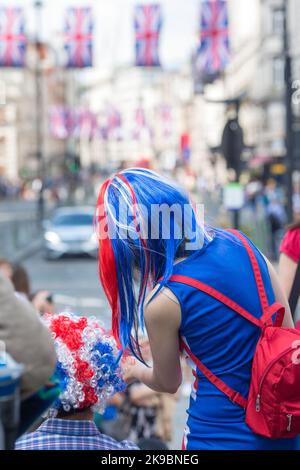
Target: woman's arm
280	295
162	318
287	272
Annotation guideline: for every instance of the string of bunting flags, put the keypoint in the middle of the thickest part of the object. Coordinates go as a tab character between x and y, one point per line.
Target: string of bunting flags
80	123
210	59
212	54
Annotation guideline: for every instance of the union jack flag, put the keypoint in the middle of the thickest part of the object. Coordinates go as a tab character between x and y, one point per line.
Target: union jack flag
213	53
79	29
147	23
59	122
12	37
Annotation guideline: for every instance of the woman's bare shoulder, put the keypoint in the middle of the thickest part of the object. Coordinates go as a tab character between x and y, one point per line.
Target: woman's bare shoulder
162	306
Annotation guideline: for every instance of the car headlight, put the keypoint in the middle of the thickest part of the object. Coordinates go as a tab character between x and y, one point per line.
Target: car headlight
94	238
52	237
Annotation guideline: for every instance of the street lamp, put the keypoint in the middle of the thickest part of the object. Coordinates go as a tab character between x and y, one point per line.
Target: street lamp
38	6
232	145
289	160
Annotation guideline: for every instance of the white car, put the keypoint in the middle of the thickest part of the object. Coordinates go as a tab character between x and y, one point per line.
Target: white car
70	231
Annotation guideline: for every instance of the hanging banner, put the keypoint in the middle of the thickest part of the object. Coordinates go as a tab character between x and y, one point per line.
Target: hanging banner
79	28
213	52
185	147
142	129
81	123
147	24
12	37
166	116
60	122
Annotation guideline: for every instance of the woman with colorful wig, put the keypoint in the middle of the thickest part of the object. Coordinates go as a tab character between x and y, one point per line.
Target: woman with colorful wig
151	239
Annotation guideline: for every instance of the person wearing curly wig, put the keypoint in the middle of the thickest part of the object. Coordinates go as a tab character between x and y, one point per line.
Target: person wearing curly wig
88	373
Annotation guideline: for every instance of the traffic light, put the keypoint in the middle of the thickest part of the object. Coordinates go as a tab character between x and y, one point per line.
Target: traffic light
73	163
233	144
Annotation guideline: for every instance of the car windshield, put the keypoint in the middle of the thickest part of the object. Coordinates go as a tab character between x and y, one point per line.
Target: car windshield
73	219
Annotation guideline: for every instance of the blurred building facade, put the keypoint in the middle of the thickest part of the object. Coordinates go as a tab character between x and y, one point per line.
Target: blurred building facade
158	108
257	73
18	116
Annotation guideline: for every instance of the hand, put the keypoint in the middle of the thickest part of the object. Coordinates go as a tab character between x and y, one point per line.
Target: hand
42	304
132	370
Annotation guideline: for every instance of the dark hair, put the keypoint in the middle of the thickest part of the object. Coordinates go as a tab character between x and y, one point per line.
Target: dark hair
61	413
20	280
294	226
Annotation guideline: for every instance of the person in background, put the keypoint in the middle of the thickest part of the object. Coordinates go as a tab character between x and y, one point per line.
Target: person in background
276	214
41	394
289	259
6	268
41	300
144	404
89	374
26	338
20	280
107	422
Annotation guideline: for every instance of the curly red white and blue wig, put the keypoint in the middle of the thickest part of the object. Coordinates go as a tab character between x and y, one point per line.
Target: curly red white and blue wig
88	368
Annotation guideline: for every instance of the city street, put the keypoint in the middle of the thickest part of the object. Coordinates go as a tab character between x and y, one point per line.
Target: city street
73	282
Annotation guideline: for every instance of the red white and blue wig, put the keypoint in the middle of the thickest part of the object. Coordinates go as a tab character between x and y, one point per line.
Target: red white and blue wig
133	253
87	370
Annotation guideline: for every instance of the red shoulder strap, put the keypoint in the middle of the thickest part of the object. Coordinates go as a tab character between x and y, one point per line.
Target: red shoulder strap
256	270
234	396
189	281
268	311
274	308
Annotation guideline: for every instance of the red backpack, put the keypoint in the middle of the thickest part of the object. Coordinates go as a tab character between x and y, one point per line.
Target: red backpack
273	404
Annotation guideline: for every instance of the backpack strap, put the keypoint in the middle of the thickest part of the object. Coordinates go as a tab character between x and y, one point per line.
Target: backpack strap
268	311
266	318
274	308
234	396
189	281
256	270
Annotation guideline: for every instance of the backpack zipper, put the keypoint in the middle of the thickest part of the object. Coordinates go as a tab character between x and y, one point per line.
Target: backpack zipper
258	397
289	426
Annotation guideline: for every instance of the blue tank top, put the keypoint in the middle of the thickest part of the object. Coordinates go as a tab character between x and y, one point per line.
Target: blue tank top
224	341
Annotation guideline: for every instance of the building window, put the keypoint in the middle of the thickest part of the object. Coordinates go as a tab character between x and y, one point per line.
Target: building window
277	21
278	72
